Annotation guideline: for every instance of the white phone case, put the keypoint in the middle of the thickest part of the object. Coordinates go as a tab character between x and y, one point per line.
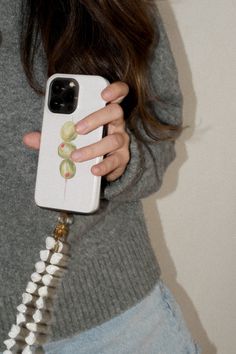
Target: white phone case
60	184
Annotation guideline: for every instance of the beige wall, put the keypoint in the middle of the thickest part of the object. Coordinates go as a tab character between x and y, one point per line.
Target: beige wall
192	220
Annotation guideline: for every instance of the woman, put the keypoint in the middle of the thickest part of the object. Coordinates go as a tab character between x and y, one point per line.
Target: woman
112	299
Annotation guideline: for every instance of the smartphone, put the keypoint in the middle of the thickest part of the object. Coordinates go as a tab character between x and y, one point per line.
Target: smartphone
62	184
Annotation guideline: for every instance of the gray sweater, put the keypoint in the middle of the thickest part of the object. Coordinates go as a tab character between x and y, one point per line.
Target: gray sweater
113	265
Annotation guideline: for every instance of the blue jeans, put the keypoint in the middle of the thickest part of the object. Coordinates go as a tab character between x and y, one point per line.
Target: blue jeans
153	326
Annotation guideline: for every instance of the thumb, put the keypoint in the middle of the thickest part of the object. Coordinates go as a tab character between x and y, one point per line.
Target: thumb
32	140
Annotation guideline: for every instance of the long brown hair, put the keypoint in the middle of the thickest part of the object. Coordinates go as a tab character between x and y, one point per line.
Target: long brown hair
113	39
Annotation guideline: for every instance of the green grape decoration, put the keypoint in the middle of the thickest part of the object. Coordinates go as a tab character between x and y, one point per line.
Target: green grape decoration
65	150
68	132
67	167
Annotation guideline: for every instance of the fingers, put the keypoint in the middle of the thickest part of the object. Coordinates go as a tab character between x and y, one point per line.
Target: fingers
107	145
115	146
115	92
111	114
113	166
32	140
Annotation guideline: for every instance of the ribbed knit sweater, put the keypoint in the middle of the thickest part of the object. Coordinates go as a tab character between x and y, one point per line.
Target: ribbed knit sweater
113	265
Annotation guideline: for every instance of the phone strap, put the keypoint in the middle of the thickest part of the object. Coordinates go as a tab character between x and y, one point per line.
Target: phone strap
35	313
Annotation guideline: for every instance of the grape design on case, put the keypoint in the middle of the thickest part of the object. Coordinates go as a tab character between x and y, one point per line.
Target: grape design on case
67	167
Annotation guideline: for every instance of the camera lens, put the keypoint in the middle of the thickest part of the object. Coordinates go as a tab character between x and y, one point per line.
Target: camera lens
69	95
56	104
58	87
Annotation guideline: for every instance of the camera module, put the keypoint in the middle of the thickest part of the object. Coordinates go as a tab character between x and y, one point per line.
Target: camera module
63	95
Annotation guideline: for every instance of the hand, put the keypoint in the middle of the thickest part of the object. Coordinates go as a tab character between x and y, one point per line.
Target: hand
114	146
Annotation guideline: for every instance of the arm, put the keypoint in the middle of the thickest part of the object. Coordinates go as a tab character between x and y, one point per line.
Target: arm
149	161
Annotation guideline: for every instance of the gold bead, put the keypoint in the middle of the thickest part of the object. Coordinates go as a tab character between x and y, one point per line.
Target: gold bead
61	231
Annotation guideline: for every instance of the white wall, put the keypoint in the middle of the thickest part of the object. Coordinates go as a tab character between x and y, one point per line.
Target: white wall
192	220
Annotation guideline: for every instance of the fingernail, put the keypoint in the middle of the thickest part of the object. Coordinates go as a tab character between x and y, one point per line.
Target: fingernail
81	127
96	169
106	94
77	155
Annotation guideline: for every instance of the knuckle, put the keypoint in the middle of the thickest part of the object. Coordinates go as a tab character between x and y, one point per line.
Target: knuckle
89	152
117	140
116	161
103	168
108	166
117	110
115	174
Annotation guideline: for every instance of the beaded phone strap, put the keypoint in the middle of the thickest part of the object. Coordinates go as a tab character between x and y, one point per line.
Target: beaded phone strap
35	313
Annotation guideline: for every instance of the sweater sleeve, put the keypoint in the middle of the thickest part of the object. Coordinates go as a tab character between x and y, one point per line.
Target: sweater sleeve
149	160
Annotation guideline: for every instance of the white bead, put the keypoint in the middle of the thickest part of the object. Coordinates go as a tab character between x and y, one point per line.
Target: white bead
43	303
31	287
35	338
14	331
41	316
36	277
25	309
45	255
63	247
50	280
22	318
31	338
22	308
59	259
14	344
46	291
17	331
50	242
9	343
40	266
29	298
54	270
